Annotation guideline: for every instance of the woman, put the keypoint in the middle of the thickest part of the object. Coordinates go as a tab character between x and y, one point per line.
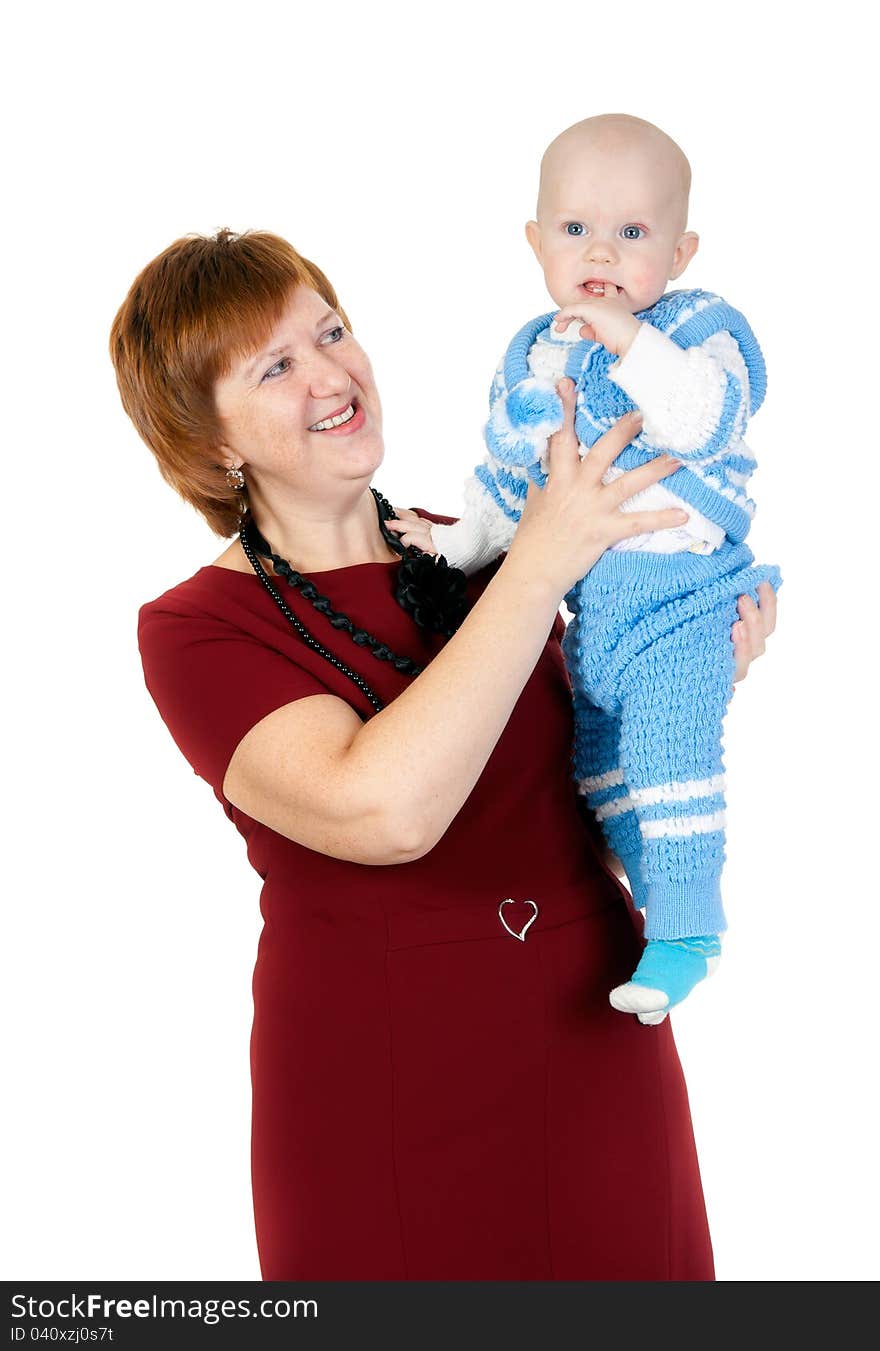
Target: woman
441	1089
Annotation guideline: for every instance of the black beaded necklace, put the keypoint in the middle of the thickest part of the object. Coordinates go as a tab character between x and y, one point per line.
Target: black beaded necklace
426	587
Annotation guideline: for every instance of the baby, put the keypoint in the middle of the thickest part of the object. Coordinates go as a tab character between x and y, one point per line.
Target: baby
648	649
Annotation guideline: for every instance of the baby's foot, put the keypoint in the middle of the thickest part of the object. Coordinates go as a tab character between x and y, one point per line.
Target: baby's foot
668	971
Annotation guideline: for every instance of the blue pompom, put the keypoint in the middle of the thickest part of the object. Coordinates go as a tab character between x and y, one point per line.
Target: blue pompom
533	402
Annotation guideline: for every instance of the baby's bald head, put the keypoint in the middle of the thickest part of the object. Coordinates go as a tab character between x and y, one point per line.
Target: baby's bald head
612	208
619	144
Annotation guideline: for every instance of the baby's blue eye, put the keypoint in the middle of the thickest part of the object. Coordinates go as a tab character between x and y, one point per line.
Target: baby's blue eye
574	227
626	231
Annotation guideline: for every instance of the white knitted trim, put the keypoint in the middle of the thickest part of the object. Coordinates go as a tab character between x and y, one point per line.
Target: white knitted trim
681	825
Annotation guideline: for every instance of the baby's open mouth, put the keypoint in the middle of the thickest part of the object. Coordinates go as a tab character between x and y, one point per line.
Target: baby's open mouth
593	287
335	420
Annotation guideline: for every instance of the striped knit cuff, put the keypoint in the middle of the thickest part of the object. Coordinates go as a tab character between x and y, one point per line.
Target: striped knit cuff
682	909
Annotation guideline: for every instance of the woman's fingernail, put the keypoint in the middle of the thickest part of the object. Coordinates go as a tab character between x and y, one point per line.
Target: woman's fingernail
637	415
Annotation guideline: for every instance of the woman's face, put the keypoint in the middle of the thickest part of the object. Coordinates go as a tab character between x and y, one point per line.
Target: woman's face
280	409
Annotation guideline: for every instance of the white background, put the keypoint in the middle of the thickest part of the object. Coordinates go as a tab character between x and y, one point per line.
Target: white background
398	146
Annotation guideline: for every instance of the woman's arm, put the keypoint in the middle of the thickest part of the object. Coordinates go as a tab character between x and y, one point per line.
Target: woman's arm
385	791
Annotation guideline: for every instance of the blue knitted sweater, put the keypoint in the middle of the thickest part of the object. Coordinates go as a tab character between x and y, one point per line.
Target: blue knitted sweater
525	410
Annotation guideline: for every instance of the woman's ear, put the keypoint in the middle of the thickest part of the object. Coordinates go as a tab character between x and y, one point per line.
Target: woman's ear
227	458
533	235
684	252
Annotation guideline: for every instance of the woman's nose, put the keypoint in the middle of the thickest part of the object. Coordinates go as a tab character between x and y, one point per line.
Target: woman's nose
327	377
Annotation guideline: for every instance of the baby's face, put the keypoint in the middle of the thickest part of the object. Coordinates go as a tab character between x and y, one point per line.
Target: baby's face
610	215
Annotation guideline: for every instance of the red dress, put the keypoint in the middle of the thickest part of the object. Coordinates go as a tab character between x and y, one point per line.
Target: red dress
433	1098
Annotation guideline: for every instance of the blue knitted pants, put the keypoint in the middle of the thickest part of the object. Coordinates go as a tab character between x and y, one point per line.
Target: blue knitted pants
651	663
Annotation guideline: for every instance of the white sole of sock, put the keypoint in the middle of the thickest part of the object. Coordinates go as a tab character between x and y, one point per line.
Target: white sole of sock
630	998
651	1005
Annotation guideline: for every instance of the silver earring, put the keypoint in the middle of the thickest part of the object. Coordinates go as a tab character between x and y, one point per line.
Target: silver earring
235	479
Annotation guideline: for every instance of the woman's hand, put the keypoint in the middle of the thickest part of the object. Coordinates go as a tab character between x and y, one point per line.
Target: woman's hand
569	523
754	626
412	529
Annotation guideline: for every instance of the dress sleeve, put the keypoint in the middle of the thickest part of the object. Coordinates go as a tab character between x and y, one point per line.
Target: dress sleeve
212	683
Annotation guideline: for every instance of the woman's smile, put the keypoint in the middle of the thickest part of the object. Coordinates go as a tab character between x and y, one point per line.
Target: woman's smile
350	418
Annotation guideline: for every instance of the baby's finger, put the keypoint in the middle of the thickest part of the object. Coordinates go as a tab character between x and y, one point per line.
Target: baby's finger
420	539
565	317
409	533
610	288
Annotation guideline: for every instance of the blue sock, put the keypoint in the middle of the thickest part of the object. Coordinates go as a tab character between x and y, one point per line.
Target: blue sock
676	965
668	971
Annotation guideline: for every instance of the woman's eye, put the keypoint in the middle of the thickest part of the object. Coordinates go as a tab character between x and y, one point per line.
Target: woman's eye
574	227
632	232
278	369
334	334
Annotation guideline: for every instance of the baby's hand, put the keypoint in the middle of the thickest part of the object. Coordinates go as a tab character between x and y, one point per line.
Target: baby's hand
606	320
412	529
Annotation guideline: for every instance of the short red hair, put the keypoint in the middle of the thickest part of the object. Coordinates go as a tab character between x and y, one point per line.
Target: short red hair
189	314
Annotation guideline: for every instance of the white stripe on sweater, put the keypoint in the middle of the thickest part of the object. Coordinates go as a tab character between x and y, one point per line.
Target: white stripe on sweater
677	791
681	825
608	780
615	808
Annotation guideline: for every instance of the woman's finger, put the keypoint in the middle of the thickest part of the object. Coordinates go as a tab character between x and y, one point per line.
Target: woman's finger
765	608
605	451
753	622
751	630
642	522
634	480
760	619
562	447
768	607
741	654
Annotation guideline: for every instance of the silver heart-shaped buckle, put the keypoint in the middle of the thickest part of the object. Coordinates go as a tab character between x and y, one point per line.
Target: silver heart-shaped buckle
524	930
